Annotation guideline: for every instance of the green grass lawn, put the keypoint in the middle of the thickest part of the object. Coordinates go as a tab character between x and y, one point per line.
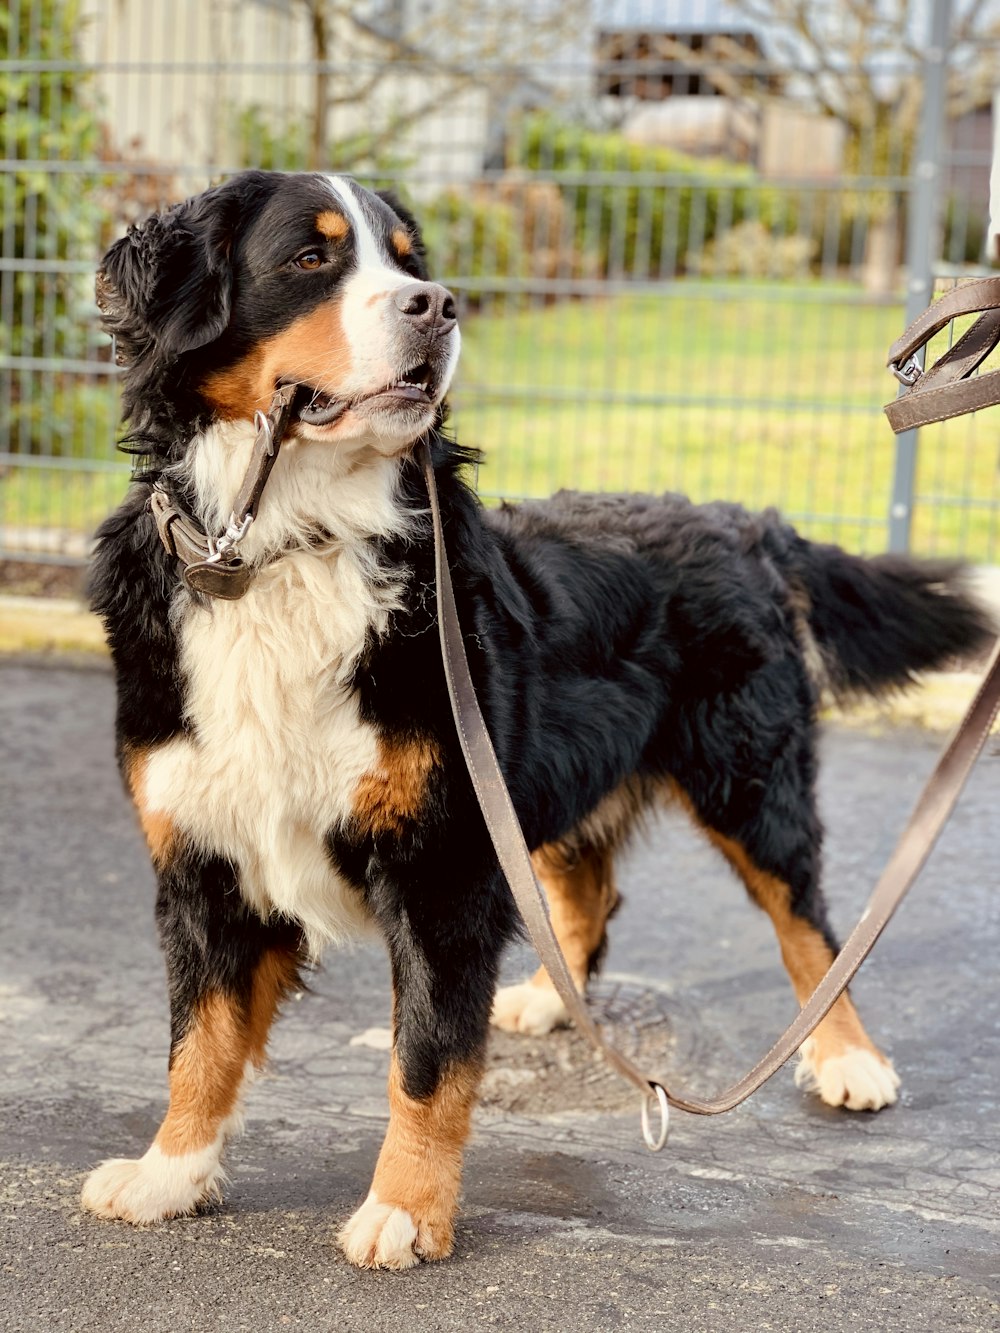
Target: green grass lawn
71	421
773	396
765	393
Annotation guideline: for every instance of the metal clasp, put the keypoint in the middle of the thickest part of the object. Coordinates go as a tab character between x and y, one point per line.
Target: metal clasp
908	373
263	424
655	1144
227	545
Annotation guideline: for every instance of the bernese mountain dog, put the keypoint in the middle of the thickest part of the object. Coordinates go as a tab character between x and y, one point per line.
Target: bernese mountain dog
292	755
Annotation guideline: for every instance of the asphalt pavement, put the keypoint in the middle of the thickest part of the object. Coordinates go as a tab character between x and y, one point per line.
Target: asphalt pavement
783	1215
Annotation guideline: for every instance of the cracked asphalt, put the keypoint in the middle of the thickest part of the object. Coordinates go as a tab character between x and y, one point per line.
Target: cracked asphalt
781	1215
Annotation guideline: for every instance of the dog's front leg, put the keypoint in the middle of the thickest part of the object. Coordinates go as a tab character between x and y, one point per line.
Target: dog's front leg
227	973
443	983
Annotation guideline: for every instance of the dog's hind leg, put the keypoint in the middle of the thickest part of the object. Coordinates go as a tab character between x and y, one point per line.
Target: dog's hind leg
227	973
839	1061
580	888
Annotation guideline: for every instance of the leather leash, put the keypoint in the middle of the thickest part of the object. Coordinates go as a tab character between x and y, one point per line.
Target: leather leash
948	388
214	566
928	818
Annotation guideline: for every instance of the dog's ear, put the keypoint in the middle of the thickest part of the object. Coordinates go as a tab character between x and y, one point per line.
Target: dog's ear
165	287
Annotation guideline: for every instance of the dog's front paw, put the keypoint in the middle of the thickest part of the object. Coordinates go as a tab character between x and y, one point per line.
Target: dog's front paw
859	1078
385	1235
534	1010
154	1187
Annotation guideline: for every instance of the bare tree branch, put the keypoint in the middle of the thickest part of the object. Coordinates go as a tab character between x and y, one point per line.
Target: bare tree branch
484	43
861	58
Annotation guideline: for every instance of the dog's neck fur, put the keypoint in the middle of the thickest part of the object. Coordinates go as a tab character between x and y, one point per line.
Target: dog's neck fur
319	496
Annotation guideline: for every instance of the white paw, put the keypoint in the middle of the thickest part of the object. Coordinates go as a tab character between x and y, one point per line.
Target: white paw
534	1010
860	1079
380	1235
153	1187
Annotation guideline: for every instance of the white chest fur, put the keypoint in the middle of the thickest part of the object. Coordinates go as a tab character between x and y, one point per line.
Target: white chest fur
277	746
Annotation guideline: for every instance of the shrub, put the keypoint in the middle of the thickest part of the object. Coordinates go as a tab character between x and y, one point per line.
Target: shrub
260	142
65	421
646	229
55	216
275	139
750	250
470	236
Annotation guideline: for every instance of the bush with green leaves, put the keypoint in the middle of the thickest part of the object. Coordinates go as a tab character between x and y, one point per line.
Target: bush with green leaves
50	215
642	210
261	141
750	250
276	139
470	238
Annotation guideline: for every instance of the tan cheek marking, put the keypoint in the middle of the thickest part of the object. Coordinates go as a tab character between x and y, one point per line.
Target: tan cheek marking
420	1165
206	1072
235	392
158	828
804	951
403	241
332	225
393	795
314	349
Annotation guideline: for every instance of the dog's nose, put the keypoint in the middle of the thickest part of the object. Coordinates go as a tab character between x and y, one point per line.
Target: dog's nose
428	306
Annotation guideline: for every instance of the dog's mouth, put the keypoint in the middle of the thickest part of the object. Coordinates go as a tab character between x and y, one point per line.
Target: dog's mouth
414	388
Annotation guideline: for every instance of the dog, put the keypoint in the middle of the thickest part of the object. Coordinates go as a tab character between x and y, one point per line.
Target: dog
292	755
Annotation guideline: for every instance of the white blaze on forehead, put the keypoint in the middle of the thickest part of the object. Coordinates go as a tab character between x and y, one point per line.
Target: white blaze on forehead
369	252
381	342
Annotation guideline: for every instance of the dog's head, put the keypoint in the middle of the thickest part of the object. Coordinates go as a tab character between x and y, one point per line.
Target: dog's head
272	279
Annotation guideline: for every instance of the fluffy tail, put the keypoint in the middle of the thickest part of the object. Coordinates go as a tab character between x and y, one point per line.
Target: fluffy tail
877	622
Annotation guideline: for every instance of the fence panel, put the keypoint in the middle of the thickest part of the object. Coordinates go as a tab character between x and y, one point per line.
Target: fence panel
674	272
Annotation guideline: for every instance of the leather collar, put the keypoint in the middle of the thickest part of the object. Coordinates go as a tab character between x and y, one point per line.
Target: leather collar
213	566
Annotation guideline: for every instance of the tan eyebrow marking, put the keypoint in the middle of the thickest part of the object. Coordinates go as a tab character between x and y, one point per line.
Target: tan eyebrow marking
403	241
332	225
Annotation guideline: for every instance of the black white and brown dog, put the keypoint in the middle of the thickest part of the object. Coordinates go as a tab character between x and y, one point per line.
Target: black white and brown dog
292	754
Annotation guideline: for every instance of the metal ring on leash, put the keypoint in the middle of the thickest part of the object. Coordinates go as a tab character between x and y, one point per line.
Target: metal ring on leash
655	1144
263	426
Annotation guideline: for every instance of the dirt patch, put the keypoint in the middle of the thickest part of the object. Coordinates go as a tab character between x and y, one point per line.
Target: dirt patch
562	1071
25	578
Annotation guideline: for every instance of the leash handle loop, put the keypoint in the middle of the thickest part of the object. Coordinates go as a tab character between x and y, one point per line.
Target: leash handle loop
947	389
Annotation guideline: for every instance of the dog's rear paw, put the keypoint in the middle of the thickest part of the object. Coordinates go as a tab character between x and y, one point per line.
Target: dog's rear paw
383	1235
858	1078
154	1187
534	1010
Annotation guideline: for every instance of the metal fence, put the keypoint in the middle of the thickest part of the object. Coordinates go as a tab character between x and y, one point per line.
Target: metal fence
679	242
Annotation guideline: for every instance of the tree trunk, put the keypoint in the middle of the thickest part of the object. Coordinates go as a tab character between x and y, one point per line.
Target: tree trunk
317	146
881	262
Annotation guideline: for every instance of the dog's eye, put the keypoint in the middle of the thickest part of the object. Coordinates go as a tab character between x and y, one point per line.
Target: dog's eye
312	259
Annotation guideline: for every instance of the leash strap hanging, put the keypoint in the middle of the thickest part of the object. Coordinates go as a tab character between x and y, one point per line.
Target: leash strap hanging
926	822
949	388
214	567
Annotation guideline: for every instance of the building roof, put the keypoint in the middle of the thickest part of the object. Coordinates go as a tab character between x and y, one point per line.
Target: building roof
672	16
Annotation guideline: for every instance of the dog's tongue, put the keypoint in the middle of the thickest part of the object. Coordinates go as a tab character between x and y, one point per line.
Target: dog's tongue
321	409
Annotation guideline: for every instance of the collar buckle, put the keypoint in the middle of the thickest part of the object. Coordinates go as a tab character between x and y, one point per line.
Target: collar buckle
227	547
